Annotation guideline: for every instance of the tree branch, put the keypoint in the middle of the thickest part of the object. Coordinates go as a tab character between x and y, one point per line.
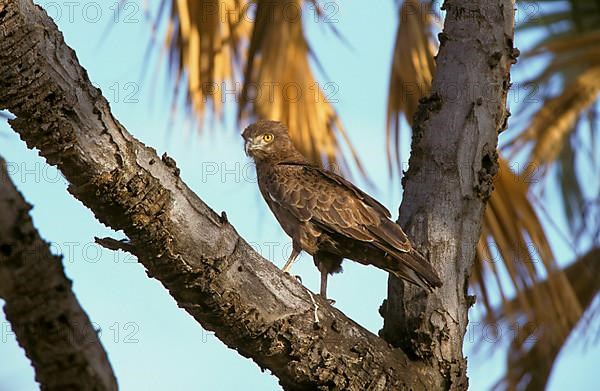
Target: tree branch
452	164
44	314
198	256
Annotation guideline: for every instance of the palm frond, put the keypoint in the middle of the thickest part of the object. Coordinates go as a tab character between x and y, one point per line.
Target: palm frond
571	191
535	346
202	40
572	44
577	15
213	43
279	85
550	127
566	42
513	243
411	73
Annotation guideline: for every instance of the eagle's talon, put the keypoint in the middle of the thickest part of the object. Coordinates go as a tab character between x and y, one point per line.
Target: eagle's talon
296	276
329	301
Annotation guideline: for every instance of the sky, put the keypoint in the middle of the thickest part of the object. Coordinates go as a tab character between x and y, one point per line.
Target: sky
151	343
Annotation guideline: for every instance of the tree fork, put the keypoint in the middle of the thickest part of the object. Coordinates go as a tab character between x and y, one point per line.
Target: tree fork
452	164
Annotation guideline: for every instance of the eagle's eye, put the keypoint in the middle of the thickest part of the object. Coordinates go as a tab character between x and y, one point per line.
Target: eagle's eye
267	137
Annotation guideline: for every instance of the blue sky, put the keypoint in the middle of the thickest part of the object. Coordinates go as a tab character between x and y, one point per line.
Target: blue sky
152	344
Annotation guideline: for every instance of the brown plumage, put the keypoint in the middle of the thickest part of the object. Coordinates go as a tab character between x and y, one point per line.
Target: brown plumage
326	215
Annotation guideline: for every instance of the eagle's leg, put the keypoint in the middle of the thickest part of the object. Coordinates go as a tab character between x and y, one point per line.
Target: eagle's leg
327	263
323	282
293	256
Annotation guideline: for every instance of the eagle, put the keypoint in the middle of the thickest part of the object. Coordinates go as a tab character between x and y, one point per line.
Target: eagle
327	216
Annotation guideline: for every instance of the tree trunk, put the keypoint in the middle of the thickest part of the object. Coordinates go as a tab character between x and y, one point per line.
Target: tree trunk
210	271
452	164
45	316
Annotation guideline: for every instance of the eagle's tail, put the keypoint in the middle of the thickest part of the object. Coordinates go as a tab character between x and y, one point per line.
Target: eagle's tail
414	268
401	259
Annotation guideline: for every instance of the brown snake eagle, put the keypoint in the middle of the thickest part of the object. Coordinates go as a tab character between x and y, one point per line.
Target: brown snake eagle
326	215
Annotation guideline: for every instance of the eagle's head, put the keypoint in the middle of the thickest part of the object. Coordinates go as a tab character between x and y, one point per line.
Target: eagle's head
269	141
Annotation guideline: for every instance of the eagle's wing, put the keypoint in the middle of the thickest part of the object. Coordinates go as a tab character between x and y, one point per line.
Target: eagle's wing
312	196
336	205
367	199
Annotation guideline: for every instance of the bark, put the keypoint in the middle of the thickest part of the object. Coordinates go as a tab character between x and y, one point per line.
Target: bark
197	255
45	316
452	164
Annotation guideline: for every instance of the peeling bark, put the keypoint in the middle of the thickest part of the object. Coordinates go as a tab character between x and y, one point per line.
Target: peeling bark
45	316
452	165
198	256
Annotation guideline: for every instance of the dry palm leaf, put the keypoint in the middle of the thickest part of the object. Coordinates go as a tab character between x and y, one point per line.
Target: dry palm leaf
572	50
574	201
573	46
581	14
412	71
279	85
513	243
210	42
567	43
535	347
203	39
554	122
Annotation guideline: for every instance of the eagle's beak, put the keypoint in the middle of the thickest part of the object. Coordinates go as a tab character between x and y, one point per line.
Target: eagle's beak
251	145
